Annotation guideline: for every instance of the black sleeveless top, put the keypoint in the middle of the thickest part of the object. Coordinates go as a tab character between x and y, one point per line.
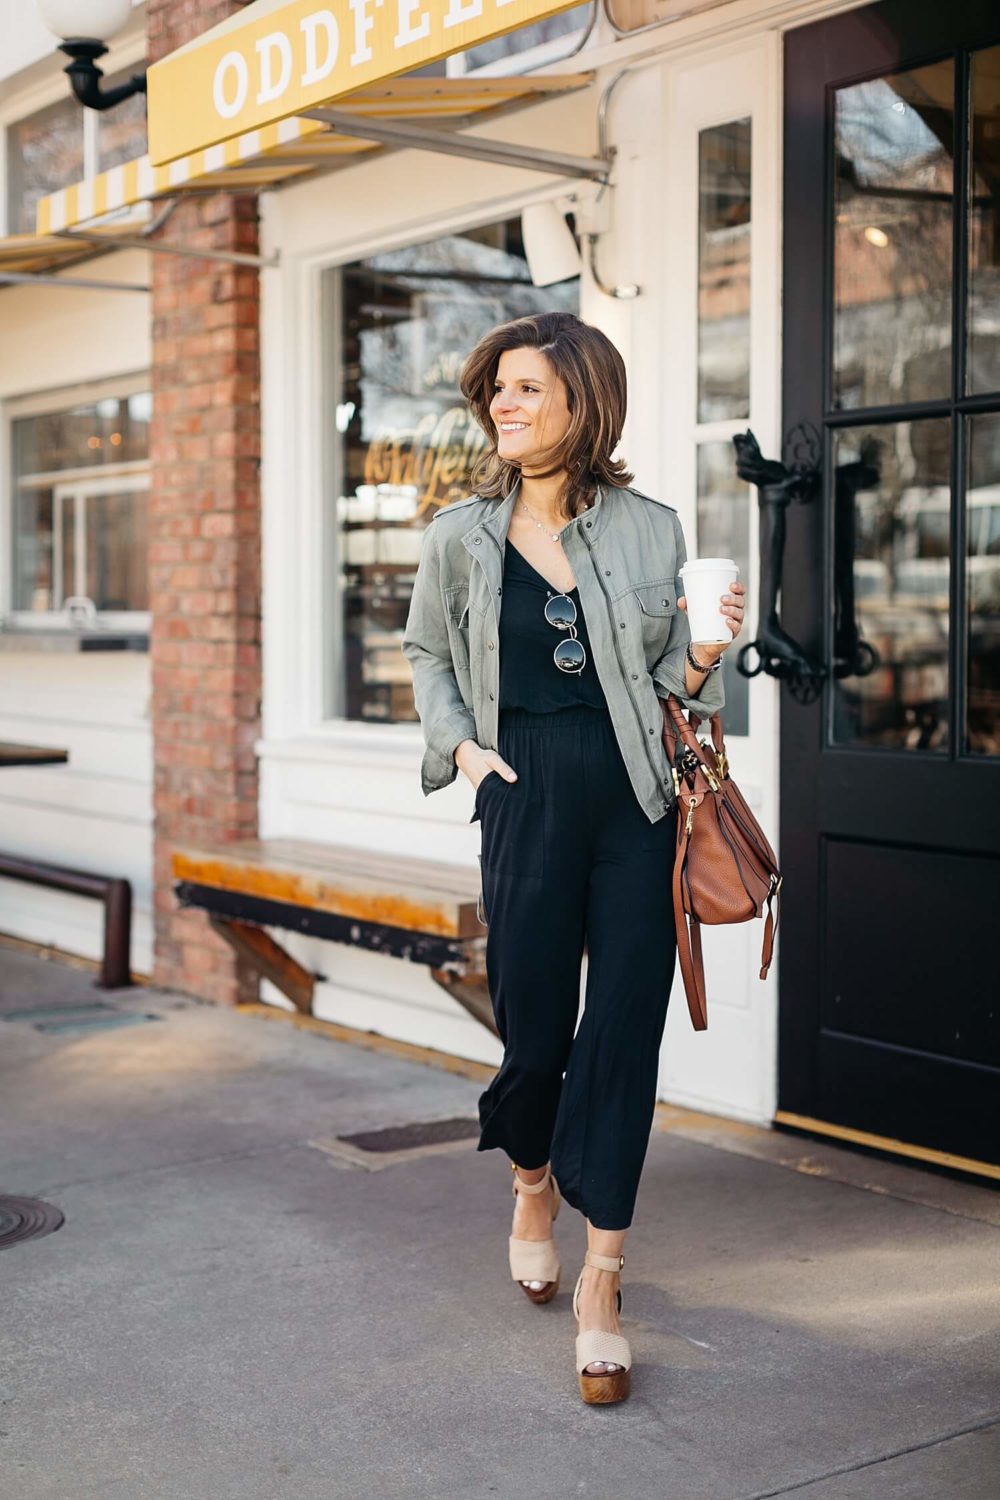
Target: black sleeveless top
529	678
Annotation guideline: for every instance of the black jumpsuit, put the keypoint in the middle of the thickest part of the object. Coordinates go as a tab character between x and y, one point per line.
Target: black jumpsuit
569	859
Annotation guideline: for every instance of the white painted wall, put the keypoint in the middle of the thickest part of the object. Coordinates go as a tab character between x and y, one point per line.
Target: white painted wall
359	784
95	812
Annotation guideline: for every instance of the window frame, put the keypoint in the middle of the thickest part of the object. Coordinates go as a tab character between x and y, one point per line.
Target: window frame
132	474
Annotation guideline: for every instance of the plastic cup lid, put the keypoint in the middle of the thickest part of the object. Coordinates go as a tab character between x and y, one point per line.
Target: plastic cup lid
709	564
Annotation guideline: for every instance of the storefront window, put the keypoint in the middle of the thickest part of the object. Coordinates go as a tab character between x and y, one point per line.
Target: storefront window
984	224
79	488
893	244
724	271
121	132
400	325
892	542
44	153
569	24
63	143
983	585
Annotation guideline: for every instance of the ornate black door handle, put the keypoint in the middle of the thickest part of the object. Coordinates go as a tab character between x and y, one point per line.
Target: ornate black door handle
778	484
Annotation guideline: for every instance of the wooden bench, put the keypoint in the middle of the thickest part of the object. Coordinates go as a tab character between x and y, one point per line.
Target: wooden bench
421	910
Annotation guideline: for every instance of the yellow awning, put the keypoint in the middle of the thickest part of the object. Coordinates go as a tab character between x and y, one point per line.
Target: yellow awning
30	256
274	59
298	147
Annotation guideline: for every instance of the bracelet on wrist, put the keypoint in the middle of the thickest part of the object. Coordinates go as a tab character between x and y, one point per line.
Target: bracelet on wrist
694	662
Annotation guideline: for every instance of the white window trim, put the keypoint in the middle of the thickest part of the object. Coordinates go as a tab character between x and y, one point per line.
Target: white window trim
732	83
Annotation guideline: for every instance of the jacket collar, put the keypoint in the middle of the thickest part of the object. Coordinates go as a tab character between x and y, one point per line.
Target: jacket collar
498	519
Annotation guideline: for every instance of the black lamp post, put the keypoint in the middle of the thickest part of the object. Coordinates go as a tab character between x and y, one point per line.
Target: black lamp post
84	27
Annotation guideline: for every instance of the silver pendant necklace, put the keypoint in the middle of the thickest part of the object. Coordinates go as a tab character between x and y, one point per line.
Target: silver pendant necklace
555	536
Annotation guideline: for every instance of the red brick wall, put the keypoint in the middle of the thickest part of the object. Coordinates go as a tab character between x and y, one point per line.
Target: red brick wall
204	550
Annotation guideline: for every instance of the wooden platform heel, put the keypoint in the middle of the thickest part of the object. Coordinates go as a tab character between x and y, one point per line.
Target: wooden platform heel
596	1344
536	1260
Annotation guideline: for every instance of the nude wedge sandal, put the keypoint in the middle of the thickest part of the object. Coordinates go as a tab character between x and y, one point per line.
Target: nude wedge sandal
535	1260
595	1344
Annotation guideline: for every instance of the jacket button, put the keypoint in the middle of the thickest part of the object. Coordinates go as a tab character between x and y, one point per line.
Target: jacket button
477	540
500	591
587	524
607	572
663	601
491	697
635	677
652	731
622	624
490	644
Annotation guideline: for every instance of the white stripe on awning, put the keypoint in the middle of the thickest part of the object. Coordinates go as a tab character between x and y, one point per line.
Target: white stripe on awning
254	161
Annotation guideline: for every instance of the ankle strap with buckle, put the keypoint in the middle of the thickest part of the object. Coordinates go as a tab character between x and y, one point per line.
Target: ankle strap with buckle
531	1187
604	1262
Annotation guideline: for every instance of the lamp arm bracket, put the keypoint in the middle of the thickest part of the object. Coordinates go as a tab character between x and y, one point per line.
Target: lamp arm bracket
85	76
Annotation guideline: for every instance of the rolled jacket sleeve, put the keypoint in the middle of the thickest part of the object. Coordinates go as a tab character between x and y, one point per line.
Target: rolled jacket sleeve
444	718
668	671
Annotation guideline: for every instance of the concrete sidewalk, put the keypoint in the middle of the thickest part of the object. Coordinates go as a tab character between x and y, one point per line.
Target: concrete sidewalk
237	1307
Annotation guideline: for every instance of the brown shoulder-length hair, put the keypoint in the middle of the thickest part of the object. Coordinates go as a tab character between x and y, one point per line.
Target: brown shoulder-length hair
593	373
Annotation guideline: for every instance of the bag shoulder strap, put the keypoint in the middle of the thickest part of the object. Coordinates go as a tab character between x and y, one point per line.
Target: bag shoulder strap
689	943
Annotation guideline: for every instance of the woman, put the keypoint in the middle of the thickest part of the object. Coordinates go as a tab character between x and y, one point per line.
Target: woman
549	706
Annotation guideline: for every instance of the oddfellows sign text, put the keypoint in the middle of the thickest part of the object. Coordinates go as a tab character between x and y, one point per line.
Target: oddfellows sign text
275	59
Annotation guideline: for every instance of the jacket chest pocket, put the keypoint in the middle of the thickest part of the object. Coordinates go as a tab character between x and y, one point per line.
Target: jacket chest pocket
457	612
655	605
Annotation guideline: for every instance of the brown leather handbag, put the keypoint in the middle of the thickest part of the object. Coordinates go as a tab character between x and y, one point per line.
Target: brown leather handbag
724	869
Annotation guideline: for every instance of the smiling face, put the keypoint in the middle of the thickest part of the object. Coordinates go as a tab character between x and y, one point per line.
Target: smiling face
529	407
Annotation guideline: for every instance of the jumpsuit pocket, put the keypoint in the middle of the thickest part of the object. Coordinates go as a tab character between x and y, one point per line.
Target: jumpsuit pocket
476	807
481	912
513	829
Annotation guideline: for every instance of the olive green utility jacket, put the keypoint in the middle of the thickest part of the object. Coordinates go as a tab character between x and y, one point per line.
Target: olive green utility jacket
626	552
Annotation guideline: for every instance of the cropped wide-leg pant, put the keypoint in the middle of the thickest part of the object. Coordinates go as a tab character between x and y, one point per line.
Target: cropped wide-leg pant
569	859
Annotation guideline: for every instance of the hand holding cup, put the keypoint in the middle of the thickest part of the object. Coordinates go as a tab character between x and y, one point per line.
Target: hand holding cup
714	600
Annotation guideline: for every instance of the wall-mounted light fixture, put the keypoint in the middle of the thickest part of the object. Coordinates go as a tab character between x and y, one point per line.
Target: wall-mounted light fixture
550	247
84	28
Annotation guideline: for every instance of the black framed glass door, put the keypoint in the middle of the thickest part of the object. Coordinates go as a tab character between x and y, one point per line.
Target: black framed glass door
890	784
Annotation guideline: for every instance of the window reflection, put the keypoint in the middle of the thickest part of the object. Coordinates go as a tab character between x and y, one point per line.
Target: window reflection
893	240
723	530
892	516
984	224
121	132
983	584
44	153
567	24
404	443
64	521
724	272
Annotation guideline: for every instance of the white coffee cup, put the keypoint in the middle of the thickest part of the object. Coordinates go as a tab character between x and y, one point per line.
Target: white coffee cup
705	580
